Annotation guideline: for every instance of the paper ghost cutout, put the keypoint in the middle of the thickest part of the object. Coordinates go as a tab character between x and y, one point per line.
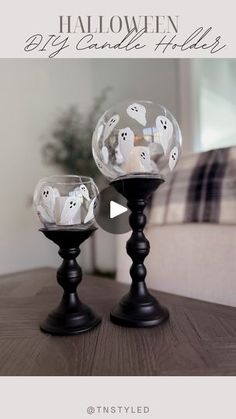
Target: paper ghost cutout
174	154
84	190
145	159
70	209
137	112
90	213
165	131
125	141
113	121
48	196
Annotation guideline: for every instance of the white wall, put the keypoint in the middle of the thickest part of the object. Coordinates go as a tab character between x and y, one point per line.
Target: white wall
145	79
32	92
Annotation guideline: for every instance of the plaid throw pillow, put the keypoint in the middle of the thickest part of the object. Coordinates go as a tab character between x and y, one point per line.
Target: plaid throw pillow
202	189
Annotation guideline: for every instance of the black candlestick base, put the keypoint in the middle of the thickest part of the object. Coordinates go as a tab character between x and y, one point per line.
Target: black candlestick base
138	308
71	317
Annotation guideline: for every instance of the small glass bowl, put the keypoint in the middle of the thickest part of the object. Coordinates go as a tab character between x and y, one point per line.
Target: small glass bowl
66	201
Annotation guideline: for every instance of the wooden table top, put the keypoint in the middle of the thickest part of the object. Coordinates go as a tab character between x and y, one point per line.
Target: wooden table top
199	338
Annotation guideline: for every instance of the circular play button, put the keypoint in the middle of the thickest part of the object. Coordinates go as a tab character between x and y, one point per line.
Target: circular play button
112	213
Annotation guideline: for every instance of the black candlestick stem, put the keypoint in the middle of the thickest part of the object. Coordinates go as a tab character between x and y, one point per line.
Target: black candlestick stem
71	316
138	308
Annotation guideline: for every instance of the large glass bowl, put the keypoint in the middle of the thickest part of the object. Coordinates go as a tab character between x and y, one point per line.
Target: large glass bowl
136	138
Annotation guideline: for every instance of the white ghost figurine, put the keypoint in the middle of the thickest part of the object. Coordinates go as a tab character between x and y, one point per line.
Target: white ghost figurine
174	154
48	196
125	141
139	160
165	131
110	125
137	112
105	154
90	213
70	210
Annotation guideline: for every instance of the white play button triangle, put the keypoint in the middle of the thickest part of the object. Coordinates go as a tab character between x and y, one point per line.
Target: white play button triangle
116	209
111	212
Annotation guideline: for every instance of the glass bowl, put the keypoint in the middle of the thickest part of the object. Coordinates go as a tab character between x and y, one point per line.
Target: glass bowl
66	201
136	138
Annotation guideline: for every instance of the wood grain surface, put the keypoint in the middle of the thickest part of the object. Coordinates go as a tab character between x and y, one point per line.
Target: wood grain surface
199	338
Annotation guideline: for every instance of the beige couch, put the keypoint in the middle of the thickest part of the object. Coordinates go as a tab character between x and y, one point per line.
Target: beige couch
194	260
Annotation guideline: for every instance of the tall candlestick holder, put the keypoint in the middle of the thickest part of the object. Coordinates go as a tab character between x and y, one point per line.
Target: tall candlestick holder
138	308
135	145
71	316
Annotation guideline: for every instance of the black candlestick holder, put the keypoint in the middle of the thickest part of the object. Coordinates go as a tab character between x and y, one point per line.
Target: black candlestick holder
71	317
138	308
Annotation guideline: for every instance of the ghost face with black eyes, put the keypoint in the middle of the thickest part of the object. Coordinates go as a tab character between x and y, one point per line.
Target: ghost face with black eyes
84	191
173	159
145	159
137	112
165	132
45	194
110	125
125	141
71	207
48	196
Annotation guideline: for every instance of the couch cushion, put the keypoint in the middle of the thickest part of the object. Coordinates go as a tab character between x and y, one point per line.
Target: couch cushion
194	260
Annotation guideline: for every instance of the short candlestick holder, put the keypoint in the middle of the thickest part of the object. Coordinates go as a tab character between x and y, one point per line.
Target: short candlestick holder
71	317
138	308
